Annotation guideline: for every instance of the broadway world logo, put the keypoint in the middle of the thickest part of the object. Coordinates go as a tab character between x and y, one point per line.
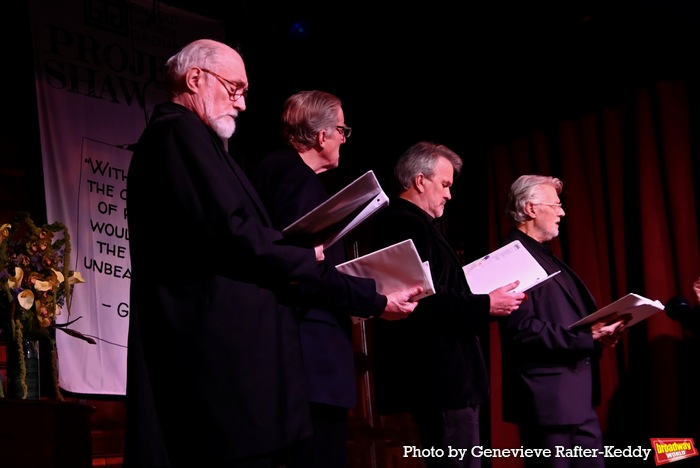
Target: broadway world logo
670	450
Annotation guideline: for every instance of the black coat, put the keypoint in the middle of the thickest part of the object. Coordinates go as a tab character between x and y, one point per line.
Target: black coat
214	363
290	189
550	373
432	359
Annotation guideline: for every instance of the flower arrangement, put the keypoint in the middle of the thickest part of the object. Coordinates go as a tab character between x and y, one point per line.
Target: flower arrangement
35	284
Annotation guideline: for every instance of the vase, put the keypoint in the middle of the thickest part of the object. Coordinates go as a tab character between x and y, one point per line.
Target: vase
23	376
31	364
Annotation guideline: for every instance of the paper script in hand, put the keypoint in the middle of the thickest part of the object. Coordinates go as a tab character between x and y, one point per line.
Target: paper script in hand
505	265
337	216
632	307
393	268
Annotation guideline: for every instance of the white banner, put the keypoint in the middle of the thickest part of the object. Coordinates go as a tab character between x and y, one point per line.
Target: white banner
98	76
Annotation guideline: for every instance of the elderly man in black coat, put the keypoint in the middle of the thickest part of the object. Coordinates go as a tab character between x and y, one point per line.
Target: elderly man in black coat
550	372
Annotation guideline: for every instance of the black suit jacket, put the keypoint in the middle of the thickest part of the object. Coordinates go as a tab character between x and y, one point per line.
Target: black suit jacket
432	359
290	189
214	366
550	373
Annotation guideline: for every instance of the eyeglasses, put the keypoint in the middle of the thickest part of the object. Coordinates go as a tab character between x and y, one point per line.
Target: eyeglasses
345	131
555	205
237	92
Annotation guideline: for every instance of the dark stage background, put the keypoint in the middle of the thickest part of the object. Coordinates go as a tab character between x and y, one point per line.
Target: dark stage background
469	76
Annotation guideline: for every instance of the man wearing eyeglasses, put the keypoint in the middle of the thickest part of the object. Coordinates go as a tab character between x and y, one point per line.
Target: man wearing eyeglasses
313	129
214	371
550	373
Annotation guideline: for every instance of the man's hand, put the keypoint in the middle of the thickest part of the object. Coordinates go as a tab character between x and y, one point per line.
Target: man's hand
504	300
320	256
399	305
696	288
608	334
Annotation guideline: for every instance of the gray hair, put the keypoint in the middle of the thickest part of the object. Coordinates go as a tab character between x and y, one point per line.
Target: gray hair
523	191
305	114
205	53
421	158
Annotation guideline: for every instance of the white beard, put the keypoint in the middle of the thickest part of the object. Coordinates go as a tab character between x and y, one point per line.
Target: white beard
225	124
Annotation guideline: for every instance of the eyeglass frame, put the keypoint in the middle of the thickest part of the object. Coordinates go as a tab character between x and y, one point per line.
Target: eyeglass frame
236	94
345	131
555	205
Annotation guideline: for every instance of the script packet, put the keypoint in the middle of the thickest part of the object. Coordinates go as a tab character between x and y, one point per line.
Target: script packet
632	307
503	266
394	268
331	220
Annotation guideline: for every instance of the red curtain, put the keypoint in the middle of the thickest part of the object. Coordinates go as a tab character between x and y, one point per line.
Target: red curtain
631	196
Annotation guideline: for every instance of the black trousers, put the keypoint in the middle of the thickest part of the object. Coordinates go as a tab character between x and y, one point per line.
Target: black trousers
327	448
565	439
450	431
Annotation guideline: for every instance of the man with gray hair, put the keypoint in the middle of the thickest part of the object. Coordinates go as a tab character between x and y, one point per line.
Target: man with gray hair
431	364
314	129
550	373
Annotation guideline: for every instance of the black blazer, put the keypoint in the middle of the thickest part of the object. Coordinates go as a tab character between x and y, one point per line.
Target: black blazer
433	358
214	366
290	189
550	374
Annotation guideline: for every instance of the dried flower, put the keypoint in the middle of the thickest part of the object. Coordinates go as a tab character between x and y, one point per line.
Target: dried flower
35	282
